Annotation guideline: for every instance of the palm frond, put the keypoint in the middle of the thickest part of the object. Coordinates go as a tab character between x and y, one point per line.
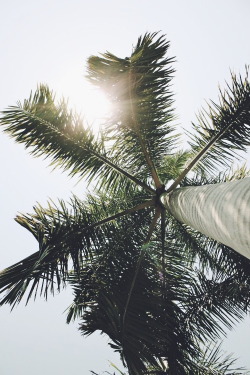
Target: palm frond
211	307
230	270
172	165
65	236
139	88
157	288
214	361
222	132
50	129
200	177
224	128
152	328
157	325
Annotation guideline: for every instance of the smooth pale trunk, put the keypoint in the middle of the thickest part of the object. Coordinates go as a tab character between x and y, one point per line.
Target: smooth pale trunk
220	211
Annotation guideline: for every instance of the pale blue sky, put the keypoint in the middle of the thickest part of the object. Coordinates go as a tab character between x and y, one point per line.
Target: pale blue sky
49	41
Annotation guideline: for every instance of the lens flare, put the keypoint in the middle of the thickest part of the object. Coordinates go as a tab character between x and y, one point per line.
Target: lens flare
87	100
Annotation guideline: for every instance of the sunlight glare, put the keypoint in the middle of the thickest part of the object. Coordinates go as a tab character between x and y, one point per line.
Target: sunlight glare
96	107
87	100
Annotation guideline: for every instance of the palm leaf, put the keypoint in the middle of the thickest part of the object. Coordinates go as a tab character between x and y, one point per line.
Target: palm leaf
152	328
172	165
224	127
188	312
50	129
210	256
139	88
65	236
214	362
159	302
223	131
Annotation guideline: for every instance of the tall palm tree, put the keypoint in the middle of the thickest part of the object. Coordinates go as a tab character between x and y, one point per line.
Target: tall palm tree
144	270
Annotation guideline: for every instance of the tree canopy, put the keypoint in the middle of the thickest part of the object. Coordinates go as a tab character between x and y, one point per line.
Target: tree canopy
158	288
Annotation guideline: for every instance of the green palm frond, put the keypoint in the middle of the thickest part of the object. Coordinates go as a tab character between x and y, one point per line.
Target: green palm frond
197	247
222	132
191	305
200	177
172	165
61	238
211	307
66	235
145	335
214	362
50	129
212	257
225	127
234	271
139	88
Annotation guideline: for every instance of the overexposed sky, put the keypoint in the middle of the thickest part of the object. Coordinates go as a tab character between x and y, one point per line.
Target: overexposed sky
49	42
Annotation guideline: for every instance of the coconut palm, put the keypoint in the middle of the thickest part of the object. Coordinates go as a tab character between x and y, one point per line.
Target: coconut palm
145	269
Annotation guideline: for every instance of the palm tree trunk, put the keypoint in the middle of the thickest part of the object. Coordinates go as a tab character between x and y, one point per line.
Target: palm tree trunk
220	211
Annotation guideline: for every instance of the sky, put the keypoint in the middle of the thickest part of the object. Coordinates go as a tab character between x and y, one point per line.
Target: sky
49	42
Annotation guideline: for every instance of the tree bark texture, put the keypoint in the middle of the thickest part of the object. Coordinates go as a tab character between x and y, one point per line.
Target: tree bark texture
220	211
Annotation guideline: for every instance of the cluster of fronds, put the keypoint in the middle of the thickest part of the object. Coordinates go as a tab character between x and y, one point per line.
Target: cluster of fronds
156	287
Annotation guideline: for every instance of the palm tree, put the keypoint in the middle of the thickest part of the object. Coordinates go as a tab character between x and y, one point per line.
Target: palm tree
142	270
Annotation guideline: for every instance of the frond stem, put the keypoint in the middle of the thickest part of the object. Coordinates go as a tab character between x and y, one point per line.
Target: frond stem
151	228
141	206
153	224
132	287
125	173
200	154
98	156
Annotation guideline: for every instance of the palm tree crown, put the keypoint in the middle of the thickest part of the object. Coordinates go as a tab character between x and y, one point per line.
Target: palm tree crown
156	286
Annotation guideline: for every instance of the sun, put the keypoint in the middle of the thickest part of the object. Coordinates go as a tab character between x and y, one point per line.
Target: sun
88	100
96	106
